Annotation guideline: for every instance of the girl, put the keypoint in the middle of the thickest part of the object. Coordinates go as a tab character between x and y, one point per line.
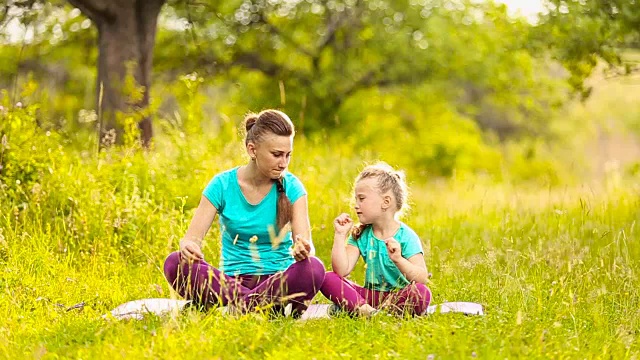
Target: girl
254	202
396	273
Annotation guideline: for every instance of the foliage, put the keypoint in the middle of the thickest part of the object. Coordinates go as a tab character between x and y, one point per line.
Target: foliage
312	57
57	49
436	140
84	231
309	58
505	217
581	32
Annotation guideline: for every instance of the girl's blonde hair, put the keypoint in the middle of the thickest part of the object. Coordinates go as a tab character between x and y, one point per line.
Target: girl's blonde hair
389	180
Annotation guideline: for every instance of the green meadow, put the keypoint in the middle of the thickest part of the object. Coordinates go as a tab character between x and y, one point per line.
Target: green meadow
83	231
520	141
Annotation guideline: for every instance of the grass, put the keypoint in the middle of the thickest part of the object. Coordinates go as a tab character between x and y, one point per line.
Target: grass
557	269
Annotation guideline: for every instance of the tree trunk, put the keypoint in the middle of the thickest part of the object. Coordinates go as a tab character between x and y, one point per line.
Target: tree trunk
126	37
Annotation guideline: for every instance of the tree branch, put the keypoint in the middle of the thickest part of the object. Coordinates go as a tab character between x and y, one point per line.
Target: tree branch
629	69
5	11
249	60
369	79
274	30
333	25
255	61
96	10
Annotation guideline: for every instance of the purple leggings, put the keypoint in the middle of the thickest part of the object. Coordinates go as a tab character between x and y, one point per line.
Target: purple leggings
413	299
207	286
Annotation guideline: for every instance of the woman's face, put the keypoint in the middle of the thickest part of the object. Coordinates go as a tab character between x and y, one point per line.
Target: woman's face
272	154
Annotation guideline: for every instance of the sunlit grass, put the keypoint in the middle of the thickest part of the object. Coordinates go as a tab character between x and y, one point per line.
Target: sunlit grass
556	268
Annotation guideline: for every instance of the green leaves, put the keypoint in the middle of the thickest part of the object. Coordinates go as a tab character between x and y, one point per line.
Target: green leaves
580	33
323	53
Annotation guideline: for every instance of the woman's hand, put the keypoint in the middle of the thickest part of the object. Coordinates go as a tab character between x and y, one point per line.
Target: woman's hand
190	251
301	248
342	224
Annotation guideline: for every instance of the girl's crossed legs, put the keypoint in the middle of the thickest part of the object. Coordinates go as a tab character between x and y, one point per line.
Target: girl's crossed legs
413	299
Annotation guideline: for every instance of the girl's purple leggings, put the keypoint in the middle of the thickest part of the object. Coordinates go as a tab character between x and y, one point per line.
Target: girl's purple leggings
207	286
413	299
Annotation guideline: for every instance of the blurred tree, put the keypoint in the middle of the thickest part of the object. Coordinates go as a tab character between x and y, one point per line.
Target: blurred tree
581	31
313	55
310	56
126	38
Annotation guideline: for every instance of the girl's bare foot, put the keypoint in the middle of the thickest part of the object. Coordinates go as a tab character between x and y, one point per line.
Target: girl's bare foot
366	310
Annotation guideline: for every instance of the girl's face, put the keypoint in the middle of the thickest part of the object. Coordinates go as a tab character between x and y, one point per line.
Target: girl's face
369	201
272	154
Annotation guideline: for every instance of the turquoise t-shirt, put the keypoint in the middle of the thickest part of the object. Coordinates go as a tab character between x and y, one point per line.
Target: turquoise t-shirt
382	274
246	241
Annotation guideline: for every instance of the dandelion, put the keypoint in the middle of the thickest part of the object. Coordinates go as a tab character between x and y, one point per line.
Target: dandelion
109	138
87	116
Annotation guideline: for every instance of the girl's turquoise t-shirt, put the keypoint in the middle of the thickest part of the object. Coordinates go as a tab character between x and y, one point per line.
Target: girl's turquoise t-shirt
246	239
381	273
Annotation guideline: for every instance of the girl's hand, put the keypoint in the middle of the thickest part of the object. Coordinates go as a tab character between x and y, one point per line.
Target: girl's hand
393	249
190	251
301	248
342	224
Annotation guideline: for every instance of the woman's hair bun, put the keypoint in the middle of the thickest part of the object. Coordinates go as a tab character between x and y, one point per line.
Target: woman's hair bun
250	120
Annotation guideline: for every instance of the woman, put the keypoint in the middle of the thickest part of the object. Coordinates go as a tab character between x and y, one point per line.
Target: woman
261	265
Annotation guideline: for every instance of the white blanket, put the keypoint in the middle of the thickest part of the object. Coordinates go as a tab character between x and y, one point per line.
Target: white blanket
137	309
